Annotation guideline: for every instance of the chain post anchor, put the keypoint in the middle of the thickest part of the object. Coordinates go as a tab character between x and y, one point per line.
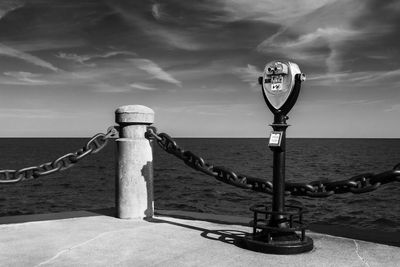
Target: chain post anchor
113	132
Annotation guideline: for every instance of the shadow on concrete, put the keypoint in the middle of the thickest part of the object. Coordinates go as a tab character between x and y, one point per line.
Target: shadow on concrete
208	217
375	236
225	235
147	173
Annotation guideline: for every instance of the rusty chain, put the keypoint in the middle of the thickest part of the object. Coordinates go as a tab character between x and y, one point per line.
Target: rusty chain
363	183
94	145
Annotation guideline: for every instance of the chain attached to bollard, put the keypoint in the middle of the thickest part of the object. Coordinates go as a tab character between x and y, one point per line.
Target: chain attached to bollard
316	189
94	145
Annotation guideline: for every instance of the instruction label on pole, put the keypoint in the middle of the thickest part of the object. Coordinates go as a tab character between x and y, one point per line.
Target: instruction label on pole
275	139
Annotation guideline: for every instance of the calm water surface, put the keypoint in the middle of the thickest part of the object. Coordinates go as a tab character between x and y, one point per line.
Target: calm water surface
90	184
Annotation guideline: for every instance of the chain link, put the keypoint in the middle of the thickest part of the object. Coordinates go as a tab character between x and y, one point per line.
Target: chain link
94	145
362	183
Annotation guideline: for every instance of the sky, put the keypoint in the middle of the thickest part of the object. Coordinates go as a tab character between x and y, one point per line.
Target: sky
66	65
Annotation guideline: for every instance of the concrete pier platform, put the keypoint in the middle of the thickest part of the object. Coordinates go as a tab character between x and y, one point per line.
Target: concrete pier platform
91	239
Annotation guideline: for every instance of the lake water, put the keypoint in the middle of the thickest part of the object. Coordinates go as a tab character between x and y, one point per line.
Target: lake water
90	184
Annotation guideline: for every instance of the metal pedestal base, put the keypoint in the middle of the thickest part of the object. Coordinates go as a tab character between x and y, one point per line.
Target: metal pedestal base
287	244
277	232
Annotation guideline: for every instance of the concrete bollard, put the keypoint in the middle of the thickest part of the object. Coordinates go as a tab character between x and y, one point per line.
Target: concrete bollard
134	170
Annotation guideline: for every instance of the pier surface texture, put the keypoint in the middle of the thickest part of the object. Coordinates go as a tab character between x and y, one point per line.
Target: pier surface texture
92	239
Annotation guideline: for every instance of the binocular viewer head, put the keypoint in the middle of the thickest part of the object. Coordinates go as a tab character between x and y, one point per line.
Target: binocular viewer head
280	85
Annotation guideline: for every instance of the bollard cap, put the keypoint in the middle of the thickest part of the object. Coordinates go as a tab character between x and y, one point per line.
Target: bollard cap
134	114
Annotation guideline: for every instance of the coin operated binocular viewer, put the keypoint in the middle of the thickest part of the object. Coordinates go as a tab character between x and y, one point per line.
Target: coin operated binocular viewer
281	86
279	230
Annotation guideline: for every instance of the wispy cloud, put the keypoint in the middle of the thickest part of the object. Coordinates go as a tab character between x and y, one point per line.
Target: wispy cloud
112	77
82	59
45	44
24	78
154	70
31	113
74	57
280	12
356	79
320	36
143	86
311	39
248	74
307	45
176	37
7	6
156	10
11	52
376	76
101	87
394	107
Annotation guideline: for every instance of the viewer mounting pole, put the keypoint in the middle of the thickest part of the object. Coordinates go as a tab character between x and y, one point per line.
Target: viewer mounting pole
279	159
134	170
